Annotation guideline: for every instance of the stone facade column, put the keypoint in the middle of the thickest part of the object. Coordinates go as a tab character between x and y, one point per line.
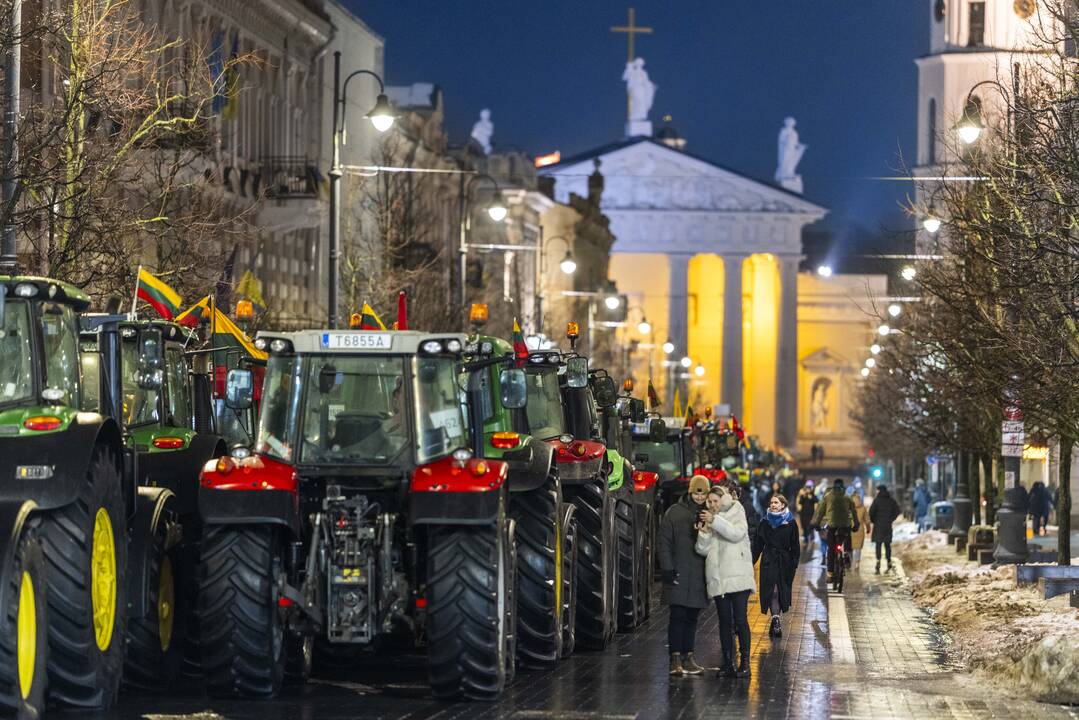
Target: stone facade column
731	390
677	317
787	354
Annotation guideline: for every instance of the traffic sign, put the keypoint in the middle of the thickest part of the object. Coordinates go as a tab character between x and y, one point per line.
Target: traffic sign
1011	451
1012	426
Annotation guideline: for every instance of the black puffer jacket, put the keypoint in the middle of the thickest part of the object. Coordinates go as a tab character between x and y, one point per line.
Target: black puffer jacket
677	536
882	513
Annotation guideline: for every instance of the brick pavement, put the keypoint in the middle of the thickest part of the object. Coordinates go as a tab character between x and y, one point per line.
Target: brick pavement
870	653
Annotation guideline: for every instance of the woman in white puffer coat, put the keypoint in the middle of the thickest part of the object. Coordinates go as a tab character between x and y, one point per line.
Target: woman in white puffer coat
723	539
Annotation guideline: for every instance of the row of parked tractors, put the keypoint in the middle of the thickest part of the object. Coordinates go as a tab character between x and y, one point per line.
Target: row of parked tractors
470	496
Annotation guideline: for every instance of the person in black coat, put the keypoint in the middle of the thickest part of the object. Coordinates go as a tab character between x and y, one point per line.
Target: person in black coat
776	544
807	507
882	513
682	570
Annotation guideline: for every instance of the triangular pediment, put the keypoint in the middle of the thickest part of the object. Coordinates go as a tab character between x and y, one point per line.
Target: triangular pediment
648	175
825	360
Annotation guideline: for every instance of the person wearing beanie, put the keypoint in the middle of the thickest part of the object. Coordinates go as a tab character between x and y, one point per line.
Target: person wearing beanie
724	541
777	547
682	570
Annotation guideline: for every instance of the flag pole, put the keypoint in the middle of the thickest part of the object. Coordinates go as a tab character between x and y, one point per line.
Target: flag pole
135	298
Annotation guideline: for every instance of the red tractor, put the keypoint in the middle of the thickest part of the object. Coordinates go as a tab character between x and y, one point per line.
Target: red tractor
362	514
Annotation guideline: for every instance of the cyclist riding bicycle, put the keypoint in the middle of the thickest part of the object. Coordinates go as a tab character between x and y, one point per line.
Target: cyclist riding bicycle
836	513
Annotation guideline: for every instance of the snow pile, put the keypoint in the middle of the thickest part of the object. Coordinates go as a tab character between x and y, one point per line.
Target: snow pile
1011	634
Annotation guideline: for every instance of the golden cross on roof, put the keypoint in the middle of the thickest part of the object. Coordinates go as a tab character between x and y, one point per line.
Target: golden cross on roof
631	29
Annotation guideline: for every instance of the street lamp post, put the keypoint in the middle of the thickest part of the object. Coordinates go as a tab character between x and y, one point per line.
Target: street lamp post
495	210
381	116
12	76
568	266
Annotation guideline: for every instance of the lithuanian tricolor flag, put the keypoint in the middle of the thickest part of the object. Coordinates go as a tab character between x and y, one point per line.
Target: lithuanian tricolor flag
228	336
520	349
194	314
160	296
369	319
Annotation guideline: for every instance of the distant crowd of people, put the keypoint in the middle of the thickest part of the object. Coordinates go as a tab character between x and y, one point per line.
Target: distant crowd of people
1038	504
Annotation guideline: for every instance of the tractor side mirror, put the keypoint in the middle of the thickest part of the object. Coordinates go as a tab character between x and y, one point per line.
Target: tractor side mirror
657	430
239	389
637	412
577	372
605	391
514	388
150	374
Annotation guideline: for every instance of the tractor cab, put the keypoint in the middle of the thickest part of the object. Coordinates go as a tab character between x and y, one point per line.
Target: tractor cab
670	455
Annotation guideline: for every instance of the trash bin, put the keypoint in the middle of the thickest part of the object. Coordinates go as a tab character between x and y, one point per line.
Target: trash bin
942	513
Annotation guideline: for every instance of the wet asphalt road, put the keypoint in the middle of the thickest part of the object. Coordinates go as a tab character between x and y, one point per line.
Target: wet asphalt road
870	653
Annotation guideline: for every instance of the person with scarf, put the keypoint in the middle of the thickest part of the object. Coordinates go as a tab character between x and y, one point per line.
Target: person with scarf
723	540
776	545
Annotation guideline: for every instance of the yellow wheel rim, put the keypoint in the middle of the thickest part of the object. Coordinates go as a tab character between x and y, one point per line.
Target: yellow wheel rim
165	610
27	635
103	579
558	571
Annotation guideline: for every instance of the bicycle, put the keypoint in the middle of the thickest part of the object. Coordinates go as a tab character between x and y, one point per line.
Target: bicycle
839	557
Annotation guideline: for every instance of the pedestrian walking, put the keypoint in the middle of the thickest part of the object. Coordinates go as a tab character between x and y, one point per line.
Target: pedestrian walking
857	538
723	540
807	505
921	503
682	571
882	513
777	547
1041	504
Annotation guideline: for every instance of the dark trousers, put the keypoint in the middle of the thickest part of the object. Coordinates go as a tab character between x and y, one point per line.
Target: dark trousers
807	528
682	628
1040	521
887	550
732	609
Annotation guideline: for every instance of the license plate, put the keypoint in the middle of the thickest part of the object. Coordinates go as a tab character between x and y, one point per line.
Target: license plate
356	341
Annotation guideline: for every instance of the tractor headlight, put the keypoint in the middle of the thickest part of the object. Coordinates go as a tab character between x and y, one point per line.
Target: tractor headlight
278	345
432	347
453	345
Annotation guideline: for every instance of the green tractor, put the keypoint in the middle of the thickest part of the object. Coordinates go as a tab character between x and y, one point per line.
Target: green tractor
168	422
546	529
74	519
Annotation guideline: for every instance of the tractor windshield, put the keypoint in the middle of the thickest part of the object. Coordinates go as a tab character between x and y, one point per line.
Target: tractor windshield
544	407
60	333
280	403
140	404
441	427
664	458
16	362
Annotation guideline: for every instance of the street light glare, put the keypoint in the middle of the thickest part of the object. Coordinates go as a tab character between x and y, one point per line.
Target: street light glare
908	273
568	264
612	302
931	224
644	327
687	361
874	348
884	330
668	347
865	372
497	212
870	362
894	309
824	270
381	115
969	133
699	370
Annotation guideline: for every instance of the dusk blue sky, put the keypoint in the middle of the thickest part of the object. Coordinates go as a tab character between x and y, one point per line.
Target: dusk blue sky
728	72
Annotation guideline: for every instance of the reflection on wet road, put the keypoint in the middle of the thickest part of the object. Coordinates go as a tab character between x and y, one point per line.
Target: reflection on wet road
870	653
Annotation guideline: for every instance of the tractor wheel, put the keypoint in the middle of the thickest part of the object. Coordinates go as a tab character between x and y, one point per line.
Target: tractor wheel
469	589
242	635
155	644
540	553
648	562
23	631
299	656
569	589
595	570
626	525
85	547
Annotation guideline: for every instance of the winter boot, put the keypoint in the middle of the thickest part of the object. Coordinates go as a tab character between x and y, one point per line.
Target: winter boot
891	568
690	666
743	667
876	571
776	630
676	664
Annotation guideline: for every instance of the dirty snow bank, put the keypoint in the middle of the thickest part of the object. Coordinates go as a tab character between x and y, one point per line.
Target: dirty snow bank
1009	633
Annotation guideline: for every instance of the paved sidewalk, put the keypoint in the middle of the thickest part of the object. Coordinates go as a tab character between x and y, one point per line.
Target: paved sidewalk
870	653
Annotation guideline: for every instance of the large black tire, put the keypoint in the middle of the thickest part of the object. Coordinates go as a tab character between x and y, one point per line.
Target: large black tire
595	564
469	578
628	587
155	643
648	561
569	589
24	631
540	551
87	605
242	634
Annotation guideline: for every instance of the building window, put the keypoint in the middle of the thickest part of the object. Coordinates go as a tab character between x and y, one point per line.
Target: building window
976	24
931	144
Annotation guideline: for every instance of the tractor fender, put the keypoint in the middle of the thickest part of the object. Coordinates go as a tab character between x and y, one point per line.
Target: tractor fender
530	466
179	470
250	507
63	456
446	492
14	515
153	508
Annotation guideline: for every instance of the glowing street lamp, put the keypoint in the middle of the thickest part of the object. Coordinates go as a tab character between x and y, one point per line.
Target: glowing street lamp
931	223
687	361
874	348
870	362
884	330
908	273
668	347
612	302
824	270
865	372
894	309
699	370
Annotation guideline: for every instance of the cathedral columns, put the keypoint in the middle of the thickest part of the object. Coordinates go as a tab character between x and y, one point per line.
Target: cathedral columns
731	378
678	308
786	353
